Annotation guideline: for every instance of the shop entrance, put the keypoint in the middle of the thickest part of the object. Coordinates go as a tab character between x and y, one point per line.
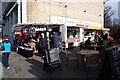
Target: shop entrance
73	36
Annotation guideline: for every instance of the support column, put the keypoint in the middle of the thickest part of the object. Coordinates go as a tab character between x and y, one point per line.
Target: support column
19	11
6	27
13	16
48	40
81	35
9	26
24	11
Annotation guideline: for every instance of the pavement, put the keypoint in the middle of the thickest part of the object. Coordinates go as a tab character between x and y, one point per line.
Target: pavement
24	68
1	71
1	66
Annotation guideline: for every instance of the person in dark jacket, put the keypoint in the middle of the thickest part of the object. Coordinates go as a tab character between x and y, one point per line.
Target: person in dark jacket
43	47
87	42
55	40
38	45
43	44
6	52
98	39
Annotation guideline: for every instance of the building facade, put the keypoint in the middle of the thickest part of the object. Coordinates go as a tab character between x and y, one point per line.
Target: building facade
73	13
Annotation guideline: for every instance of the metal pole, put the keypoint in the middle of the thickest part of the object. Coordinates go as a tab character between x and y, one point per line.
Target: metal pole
48	40
19	15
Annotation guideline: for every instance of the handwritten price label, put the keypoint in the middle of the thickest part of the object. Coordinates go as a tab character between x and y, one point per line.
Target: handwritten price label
72	40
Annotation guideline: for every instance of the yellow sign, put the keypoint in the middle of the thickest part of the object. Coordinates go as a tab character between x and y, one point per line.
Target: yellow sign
95	27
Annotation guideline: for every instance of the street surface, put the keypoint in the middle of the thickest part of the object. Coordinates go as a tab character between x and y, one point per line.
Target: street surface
1	66
33	68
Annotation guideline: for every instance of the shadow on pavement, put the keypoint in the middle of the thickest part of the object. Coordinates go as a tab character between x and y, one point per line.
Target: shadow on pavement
68	72
36	68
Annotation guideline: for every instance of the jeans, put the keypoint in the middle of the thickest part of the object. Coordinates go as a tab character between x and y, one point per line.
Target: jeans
5	58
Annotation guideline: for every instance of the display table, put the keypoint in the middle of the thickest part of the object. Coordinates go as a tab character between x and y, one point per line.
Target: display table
85	53
26	52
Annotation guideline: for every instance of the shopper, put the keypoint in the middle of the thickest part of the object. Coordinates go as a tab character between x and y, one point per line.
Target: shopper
6	52
43	47
87	42
38	45
109	40
43	44
105	41
32	44
3	38
98	39
55	41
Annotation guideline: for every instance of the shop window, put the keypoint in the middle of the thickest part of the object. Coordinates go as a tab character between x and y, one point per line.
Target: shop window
89	33
72	32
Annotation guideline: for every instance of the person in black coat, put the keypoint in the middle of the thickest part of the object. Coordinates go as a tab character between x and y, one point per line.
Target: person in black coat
98	39
87	42
55	40
43	50
43	44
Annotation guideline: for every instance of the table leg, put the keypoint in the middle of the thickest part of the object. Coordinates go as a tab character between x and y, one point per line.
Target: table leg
82	61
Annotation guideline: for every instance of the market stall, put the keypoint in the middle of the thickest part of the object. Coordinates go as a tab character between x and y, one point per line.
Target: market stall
26	36
73	36
26	52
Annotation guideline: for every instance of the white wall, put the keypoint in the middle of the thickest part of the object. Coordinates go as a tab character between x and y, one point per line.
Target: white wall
24	11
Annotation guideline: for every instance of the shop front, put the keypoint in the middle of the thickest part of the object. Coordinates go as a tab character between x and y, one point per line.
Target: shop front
75	31
73	36
90	29
70	33
26	36
23	34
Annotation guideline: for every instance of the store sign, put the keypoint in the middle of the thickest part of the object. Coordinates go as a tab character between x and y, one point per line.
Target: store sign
71	22
90	25
72	40
82	25
57	20
63	20
95	24
95	27
40	29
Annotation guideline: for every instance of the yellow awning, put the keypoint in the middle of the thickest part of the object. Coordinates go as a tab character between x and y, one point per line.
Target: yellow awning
95	27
